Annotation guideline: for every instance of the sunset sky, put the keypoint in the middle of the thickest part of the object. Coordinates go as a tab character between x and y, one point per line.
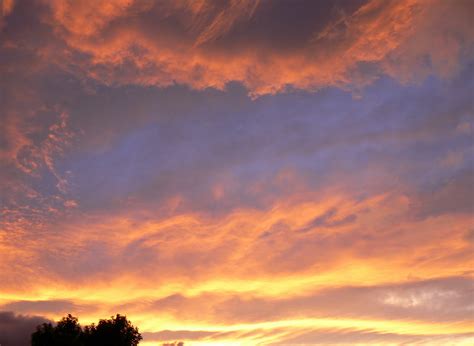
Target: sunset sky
273	172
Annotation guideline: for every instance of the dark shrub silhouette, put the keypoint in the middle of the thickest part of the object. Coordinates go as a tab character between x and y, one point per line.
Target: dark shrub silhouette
116	331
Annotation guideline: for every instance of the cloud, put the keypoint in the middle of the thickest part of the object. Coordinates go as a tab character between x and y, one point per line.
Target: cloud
5	9
469	236
331	315
308	337
204	44
326	220
32	161
44	307
368	337
16	330
453	195
437	300
170	335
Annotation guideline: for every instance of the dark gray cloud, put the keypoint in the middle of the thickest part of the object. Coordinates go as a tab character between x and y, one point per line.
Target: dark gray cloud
16	330
45	307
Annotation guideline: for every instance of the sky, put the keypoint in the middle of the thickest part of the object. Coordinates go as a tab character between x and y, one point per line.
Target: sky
247	172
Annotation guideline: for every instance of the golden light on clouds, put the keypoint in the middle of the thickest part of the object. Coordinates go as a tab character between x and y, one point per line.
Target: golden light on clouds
239	172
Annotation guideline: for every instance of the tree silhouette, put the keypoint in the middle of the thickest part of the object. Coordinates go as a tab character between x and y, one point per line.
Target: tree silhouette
43	336
67	332
116	331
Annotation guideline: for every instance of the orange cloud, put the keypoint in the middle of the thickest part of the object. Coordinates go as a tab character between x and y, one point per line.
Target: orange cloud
245	251
212	44
6	7
283	270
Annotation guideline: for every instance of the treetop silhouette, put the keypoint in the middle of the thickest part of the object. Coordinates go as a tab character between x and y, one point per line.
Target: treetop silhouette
116	331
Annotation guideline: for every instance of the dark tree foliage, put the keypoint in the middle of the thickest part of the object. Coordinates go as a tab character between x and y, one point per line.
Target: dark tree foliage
66	333
43	336
116	331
